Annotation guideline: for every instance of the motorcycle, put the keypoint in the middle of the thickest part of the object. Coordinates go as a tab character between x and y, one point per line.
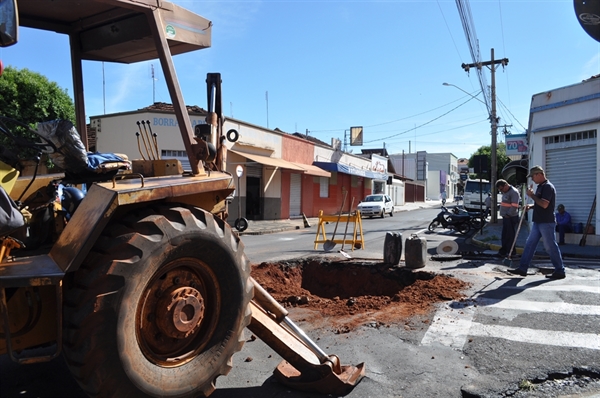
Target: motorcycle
476	219
449	220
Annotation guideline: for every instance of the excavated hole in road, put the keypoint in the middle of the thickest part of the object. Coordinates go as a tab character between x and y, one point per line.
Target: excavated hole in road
351	293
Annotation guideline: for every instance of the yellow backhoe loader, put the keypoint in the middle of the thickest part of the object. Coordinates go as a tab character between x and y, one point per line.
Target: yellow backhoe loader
128	268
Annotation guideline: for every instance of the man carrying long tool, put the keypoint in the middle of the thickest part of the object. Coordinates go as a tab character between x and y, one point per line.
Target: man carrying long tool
544	221
509	211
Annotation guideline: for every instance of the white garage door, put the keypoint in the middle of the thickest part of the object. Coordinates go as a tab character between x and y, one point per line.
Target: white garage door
571	170
295	195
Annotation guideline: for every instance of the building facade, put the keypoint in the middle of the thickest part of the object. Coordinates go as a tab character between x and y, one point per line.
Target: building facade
284	175
563	139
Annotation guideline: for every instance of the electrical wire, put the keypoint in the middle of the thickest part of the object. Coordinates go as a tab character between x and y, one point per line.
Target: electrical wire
504	48
513	116
391	121
438	132
449	31
464	11
421	125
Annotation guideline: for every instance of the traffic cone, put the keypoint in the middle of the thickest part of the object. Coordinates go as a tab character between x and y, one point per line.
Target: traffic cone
306	223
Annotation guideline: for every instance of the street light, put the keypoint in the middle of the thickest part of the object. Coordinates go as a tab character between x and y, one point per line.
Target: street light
469	94
494	155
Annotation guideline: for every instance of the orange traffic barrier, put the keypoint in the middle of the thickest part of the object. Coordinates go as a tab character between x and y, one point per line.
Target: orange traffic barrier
356	239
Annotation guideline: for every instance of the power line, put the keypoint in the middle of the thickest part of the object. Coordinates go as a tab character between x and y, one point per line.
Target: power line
445	131
392	121
449	32
513	116
504	49
421	125
464	11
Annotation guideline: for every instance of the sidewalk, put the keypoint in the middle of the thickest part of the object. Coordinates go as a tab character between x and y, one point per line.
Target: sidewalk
489	239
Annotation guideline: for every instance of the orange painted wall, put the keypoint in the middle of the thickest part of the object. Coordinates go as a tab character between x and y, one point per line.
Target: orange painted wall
297	150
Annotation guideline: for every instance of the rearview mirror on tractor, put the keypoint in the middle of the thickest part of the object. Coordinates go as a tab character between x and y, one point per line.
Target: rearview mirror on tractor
9	23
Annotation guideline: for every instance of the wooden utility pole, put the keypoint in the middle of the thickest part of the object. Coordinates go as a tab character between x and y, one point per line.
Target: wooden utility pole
494	121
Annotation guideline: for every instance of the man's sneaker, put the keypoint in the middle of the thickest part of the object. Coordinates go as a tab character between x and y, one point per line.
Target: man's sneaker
554	275
517	271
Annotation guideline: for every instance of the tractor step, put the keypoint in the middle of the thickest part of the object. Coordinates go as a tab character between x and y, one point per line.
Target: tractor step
30	271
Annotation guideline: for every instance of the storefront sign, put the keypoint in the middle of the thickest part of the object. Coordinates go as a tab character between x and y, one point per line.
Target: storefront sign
516	144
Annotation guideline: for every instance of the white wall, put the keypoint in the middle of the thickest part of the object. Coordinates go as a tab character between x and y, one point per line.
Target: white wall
117	133
433	185
565	110
396	192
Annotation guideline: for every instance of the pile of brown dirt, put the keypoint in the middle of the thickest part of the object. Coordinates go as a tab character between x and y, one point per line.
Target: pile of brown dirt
351	293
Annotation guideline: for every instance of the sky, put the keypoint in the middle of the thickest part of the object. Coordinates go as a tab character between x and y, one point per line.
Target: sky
321	67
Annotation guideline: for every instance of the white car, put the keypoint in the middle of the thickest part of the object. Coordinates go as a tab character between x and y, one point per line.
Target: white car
376	205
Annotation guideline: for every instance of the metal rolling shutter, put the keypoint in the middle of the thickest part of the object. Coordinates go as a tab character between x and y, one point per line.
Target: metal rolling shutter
571	170
295	194
253	171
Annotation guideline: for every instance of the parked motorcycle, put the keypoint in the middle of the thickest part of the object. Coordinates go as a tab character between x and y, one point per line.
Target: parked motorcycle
447	219
476	219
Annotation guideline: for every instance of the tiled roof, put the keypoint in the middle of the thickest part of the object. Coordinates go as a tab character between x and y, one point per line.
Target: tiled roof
309	138
164	107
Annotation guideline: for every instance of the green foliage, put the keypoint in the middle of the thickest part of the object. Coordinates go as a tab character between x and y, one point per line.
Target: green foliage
501	160
30	97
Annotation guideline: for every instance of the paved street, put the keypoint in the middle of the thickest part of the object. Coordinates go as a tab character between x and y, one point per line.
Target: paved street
508	336
508	331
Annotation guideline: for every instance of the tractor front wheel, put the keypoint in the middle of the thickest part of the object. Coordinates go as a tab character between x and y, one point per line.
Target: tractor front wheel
159	305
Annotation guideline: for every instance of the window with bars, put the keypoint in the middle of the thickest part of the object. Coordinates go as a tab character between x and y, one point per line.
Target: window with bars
578	136
324	187
173	153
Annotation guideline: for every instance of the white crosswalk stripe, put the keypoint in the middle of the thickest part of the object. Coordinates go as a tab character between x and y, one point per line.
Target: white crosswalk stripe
454	322
534	336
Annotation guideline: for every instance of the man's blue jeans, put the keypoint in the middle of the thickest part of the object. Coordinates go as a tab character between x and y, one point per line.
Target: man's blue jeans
545	231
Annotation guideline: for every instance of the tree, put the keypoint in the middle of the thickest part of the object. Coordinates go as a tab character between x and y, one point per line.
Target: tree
30	97
501	159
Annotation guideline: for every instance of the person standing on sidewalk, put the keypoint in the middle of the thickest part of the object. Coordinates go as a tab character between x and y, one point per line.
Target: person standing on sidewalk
543	225
509	211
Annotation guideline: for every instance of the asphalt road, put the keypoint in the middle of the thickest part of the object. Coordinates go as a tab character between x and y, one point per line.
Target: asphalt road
531	332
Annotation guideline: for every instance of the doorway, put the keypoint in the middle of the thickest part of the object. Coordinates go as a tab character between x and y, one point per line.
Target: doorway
253	200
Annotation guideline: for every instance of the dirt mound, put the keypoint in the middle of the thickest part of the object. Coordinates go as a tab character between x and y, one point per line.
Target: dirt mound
352	293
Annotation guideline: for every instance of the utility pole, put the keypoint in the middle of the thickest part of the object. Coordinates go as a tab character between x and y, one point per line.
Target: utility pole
494	121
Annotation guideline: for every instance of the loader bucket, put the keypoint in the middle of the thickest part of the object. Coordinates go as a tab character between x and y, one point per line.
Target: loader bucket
305	367
339	380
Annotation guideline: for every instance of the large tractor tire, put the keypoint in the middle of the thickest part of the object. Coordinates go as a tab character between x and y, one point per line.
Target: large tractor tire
159	305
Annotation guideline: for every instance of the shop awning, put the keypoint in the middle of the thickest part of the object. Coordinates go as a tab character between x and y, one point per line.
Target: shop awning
269	161
313	170
347	169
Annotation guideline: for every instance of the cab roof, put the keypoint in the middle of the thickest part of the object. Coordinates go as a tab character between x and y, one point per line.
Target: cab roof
118	30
